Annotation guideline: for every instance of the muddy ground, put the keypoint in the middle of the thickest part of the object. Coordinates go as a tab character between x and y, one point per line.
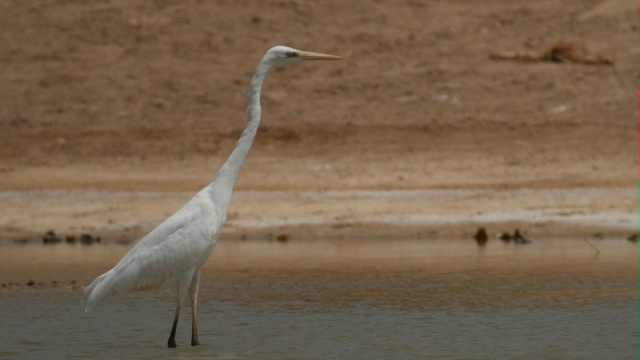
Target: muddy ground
112	113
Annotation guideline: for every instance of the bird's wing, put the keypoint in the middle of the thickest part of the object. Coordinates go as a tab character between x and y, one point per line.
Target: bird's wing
176	245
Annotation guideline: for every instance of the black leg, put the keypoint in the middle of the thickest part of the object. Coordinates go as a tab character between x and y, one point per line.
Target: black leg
172	338
194	326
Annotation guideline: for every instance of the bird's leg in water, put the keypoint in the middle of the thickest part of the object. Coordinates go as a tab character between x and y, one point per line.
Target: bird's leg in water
194	326
193	294
172	338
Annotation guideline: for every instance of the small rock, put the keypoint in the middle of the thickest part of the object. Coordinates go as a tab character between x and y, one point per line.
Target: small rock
481	236
50	237
506	237
519	239
87	239
282	238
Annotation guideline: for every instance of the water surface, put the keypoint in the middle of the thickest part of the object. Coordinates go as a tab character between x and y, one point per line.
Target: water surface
338	299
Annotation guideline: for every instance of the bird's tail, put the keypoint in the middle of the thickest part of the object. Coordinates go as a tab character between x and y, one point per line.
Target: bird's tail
95	293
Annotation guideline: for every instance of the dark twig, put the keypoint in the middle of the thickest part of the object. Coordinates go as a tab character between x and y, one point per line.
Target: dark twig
593	246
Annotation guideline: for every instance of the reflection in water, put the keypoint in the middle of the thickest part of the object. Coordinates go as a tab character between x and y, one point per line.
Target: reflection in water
349	298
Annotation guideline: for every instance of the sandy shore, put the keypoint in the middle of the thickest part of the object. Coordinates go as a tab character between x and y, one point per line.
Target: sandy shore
112	115
123	216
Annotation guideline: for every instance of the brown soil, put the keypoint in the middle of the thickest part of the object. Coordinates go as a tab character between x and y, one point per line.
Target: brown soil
100	100
559	52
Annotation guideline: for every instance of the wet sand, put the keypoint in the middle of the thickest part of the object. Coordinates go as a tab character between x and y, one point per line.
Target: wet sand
418	213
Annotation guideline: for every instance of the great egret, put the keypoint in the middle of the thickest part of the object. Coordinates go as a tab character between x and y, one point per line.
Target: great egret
180	245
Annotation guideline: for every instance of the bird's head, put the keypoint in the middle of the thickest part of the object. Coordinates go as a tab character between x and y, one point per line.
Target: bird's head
285	55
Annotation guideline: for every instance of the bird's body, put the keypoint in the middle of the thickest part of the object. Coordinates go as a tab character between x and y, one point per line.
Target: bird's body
176	250
163	254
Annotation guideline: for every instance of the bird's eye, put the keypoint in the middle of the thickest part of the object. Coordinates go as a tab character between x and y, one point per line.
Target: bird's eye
291	54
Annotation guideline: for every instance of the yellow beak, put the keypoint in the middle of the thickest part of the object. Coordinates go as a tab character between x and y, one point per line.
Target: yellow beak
306	55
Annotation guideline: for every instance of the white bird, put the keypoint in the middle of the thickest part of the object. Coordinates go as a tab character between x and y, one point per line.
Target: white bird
180	245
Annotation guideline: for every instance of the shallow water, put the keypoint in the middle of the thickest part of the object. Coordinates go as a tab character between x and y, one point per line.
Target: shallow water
339	299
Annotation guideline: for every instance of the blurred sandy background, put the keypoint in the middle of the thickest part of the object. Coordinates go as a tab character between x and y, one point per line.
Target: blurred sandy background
113	113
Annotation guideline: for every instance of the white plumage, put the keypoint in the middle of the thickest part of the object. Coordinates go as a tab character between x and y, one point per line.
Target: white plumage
180	245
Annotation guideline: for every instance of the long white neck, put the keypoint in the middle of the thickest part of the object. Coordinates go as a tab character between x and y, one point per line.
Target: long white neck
221	188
